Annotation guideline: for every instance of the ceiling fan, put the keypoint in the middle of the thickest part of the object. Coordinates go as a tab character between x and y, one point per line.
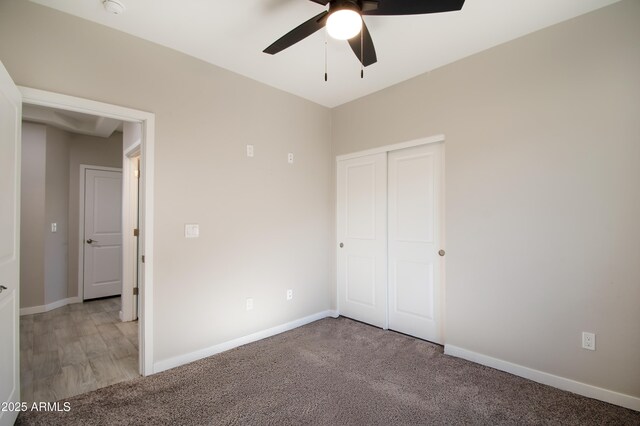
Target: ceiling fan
344	22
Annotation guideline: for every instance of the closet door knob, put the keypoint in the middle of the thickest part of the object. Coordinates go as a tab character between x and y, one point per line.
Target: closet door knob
341	245
2	288
441	253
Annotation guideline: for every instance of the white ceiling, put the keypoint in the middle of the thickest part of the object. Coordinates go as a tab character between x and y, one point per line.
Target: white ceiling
233	33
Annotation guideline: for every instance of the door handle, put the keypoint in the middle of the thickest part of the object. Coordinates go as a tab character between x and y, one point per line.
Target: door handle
441	253
341	245
90	241
2	288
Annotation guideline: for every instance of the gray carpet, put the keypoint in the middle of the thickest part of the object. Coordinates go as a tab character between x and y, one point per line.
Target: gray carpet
333	372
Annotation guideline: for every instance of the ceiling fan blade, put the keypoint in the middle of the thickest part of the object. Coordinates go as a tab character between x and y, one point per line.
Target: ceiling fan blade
414	7
368	5
369	56
299	33
322	2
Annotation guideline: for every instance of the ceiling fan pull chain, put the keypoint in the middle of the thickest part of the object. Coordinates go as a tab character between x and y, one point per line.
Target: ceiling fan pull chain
361	54
325	56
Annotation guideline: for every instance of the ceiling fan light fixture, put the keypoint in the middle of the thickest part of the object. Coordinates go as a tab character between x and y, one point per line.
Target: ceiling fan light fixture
344	24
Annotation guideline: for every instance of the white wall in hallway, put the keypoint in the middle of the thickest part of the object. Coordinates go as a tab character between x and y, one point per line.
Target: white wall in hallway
32	214
56	244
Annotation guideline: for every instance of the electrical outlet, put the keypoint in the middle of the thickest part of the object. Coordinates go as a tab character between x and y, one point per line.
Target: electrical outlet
249	150
191	230
290	158
289	294
588	341
249	303
54	227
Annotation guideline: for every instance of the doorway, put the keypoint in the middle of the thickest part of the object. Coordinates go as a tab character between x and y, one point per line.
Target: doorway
390	265
145	147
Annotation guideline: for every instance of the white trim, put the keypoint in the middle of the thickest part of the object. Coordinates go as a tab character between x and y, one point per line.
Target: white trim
71	103
133	150
393	147
130	213
563	383
81	207
147	119
49	307
146	197
222	347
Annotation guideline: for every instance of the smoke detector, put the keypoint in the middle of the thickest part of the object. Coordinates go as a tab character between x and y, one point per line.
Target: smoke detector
113	6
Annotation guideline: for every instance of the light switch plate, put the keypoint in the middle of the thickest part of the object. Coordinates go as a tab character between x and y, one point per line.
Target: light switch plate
54	227
249	150
191	230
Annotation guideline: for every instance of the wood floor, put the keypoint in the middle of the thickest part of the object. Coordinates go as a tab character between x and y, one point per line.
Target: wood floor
76	349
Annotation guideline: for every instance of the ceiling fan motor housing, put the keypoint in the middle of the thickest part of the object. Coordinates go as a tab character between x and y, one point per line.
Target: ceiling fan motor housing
356	5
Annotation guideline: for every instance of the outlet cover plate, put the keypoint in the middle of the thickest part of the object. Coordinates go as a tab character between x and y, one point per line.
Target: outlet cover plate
588	341
191	230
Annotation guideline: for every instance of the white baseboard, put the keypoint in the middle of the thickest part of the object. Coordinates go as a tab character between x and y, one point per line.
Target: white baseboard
333	314
563	383
49	307
222	347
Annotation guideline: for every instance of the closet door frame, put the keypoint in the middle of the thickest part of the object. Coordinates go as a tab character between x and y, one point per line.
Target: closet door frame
386	149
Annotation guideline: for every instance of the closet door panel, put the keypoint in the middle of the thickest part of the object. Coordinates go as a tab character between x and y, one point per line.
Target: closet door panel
362	236
414	213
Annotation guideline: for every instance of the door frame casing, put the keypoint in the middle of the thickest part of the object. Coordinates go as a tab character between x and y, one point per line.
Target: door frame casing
130	262
440	138
81	220
147	120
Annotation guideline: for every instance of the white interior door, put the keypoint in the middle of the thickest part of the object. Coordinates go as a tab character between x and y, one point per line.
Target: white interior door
10	119
362	235
102	233
415	194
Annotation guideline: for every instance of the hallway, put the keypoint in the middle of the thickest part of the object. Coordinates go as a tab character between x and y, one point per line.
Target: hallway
76	349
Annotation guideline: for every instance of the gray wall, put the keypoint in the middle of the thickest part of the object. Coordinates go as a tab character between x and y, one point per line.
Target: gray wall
265	225
50	189
91	151
32	214
56	210
542	150
542	200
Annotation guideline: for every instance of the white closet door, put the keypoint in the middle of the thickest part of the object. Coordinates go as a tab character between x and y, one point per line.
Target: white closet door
362	235
415	203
